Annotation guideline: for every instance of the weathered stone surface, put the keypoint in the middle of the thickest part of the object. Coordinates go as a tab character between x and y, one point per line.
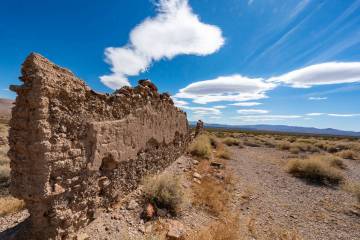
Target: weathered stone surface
199	127
73	150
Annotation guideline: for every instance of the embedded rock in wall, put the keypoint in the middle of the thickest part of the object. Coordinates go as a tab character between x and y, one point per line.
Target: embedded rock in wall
73	150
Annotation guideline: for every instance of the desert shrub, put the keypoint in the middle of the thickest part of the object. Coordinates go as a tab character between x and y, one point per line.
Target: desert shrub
214	141
284	146
227	229
331	148
165	191
201	147
304	147
315	169
336	162
222	151
294	150
353	188
230	141
211	195
251	143
4	164
4	172
10	205
348	154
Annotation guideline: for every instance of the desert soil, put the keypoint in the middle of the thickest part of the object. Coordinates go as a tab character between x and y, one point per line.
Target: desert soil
272	202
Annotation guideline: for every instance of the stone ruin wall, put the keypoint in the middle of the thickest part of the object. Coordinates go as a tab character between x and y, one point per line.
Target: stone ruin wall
73	150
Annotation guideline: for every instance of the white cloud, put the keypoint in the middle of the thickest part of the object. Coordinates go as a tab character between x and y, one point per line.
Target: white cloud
321	74
250	2
315	114
179	103
227	88
334	114
173	31
202	110
219	107
264	118
317	98
252	111
245	104
344	115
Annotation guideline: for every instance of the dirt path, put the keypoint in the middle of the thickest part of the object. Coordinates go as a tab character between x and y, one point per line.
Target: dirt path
272	203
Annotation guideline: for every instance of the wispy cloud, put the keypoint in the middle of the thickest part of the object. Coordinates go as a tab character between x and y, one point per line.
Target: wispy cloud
334	114
179	103
265	118
174	31
317	98
315	114
227	88
344	115
201	111
321	74
250	2
240	88
252	111
219	107
245	104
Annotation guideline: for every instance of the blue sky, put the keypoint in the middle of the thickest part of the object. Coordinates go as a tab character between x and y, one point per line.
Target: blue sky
294	62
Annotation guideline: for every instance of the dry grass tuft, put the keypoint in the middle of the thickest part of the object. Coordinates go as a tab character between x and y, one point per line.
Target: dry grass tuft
222	151
353	188
201	147
211	195
230	141
10	205
4	163
165	191
348	154
226	229
316	169
284	146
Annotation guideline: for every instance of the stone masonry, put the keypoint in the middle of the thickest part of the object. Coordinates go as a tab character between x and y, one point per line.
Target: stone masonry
73	150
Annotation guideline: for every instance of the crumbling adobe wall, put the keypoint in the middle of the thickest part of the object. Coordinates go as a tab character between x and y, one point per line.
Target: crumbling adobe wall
73	150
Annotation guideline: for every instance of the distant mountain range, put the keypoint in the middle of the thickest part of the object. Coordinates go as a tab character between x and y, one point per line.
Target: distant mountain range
285	129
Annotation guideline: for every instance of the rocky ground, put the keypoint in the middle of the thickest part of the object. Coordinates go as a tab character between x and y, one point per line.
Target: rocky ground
271	204
275	203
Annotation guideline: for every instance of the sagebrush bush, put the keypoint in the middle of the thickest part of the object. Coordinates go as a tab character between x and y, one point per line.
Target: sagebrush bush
4	163
348	154
165	191
201	146
10	205
222	151
316	169
284	146
353	188
211	195
230	141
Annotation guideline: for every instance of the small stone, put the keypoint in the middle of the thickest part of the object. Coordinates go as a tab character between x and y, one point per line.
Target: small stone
149	211
132	205
197	181
196	162
82	236
142	229
176	230
197	175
